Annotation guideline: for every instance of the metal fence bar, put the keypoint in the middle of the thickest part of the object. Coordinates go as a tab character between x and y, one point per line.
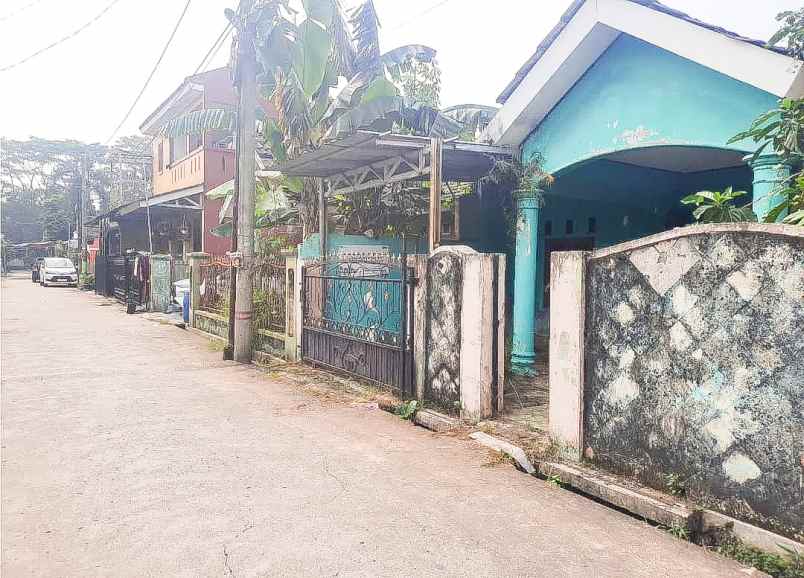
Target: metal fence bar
214	283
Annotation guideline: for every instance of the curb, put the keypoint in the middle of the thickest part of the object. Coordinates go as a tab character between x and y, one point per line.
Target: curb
434	421
517	453
598	486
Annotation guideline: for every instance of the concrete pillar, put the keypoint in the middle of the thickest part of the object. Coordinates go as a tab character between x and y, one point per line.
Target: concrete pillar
523	355
770	171
567	324
477	336
419	263
196	259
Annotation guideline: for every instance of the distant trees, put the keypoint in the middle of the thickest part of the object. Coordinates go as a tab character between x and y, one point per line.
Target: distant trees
45	183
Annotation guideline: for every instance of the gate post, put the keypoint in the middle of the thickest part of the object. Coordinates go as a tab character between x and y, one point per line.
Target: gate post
196	259
291	336
131	303
567	326
420	323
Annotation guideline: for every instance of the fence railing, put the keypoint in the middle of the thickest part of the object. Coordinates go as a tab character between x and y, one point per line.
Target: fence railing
270	294
214	282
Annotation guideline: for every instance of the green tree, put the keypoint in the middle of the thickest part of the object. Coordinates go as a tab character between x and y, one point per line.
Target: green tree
718	207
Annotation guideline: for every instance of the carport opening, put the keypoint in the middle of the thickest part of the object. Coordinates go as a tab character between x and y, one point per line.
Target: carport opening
624	195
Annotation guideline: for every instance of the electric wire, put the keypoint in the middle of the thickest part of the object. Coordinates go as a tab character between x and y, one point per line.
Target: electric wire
73	34
417	16
19	10
213	50
153	71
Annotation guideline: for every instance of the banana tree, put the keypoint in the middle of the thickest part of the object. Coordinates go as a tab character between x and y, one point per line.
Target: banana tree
303	58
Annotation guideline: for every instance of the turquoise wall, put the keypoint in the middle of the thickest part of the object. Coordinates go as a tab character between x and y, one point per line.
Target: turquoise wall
638	95
625	201
309	248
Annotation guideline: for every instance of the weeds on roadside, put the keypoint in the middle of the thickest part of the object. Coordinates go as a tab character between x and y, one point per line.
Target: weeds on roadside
773	564
497	458
675	485
555	480
406	410
680	531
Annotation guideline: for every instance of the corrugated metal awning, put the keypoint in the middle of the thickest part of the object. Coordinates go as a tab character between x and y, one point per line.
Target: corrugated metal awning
461	161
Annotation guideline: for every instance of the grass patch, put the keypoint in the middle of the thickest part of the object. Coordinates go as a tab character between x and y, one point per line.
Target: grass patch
497	458
773	564
216	345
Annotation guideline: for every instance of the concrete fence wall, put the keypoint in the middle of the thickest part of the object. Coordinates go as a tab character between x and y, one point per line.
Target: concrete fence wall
274	343
679	358
460	330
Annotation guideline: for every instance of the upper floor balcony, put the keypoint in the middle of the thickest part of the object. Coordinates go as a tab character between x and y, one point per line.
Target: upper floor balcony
180	174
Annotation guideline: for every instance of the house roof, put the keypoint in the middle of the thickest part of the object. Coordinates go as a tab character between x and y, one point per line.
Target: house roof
652	4
461	161
190	88
589	27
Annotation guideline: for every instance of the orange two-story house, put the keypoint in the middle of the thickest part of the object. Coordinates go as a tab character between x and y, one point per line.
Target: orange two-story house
185	168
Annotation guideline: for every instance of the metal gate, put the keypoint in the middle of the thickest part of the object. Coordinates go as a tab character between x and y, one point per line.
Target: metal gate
118	280
357	317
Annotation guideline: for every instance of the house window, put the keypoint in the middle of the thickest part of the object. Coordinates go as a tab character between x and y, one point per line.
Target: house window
569	227
196	140
592	228
161	155
178	148
548	228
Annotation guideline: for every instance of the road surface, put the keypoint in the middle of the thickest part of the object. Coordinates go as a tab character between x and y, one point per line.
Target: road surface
130	449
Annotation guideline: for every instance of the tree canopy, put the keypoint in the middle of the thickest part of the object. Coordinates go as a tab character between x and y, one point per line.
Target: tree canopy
43	183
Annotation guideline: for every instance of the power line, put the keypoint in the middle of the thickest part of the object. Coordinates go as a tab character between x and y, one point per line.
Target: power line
213	50
153	71
419	15
64	39
211	53
19	10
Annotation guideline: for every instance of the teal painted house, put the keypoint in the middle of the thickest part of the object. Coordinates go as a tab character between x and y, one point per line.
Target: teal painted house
630	104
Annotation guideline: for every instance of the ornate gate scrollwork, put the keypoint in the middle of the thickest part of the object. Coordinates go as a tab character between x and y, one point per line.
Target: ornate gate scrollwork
357	312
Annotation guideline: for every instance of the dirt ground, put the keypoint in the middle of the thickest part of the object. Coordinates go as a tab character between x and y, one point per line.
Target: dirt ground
129	448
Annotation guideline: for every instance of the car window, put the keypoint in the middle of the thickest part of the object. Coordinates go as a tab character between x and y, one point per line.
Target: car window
58	263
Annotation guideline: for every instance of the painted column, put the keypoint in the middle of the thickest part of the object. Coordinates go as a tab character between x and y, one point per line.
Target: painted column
770	171
523	355
196	259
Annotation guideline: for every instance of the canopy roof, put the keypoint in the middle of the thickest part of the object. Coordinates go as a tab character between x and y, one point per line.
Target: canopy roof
365	150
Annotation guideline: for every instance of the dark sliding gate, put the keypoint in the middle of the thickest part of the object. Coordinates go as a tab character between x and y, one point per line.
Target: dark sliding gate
116	277
357	317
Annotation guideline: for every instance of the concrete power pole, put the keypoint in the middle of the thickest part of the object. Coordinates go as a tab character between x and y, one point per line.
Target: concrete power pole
246	118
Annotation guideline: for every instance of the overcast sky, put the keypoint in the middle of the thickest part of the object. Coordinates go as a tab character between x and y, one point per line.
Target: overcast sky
82	88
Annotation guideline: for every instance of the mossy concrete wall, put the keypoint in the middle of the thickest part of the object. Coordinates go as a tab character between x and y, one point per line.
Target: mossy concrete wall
694	366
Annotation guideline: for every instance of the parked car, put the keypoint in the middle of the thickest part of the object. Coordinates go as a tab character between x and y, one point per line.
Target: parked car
35	269
58	271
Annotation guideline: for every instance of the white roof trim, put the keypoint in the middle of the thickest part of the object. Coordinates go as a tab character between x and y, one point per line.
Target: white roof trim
593	28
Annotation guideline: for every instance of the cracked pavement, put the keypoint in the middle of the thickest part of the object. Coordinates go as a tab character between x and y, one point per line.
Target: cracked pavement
129	448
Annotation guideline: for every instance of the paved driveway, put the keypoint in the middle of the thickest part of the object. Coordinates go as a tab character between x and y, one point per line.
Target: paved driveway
130	449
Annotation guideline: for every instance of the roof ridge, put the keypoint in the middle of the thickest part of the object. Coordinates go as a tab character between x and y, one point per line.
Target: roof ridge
575	6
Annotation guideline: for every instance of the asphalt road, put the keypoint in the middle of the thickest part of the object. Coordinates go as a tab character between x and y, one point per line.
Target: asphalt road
130	449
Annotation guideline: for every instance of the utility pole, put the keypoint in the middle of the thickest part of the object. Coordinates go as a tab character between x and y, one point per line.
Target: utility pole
246	120
228	351
81	237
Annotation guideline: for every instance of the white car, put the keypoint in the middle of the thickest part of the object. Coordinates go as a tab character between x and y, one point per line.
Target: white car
57	271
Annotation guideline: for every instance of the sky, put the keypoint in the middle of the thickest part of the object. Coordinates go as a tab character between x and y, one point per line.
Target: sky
82	88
